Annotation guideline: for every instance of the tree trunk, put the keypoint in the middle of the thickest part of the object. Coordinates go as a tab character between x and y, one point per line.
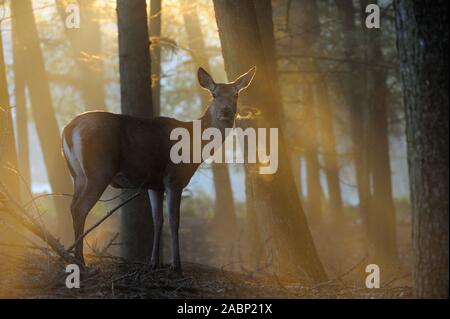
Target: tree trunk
314	189
8	158
324	114
382	219
155	34
248	25
329	151
23	151
8	154
136	99
86	50
304	24
224	222
422	34
354	93
297	172
43	112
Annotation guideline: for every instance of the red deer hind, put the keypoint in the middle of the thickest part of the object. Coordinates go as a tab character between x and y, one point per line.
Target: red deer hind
124	151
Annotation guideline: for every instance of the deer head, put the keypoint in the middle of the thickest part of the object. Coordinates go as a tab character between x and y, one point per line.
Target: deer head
223	107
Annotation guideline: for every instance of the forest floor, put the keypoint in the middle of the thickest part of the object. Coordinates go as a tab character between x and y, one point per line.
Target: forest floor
118	279
35	274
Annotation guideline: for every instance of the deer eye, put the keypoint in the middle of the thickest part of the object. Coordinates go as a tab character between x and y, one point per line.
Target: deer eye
214	95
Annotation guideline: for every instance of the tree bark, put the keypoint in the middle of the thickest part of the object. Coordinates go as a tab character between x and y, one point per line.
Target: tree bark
43	112
136	99
248	25
224	221
422	35
155	49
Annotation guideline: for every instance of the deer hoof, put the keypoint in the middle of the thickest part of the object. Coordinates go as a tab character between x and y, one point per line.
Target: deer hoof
154	266
176	269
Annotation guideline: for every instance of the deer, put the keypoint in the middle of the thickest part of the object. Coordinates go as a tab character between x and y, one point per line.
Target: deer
105	149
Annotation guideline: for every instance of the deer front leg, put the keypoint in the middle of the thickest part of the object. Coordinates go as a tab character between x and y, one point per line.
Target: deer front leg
173	203
156	200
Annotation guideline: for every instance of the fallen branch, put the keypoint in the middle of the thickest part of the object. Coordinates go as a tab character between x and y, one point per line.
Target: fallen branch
102	220
19	214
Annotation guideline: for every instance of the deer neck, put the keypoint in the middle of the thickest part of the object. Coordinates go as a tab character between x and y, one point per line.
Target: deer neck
208	120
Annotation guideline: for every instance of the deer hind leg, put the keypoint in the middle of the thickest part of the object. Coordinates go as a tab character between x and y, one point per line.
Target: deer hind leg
86	195
156	200
78	223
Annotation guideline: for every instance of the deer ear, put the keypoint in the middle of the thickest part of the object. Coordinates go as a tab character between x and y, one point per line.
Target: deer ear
205	80
244	80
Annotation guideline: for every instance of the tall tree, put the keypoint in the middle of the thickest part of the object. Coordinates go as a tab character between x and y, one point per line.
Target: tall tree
224	220
328	141
422	34
366	92
305	20
310	141
155	35
381	221
8	154
136	99
86	51
43	112
248	25
23	152
354	87
304	28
